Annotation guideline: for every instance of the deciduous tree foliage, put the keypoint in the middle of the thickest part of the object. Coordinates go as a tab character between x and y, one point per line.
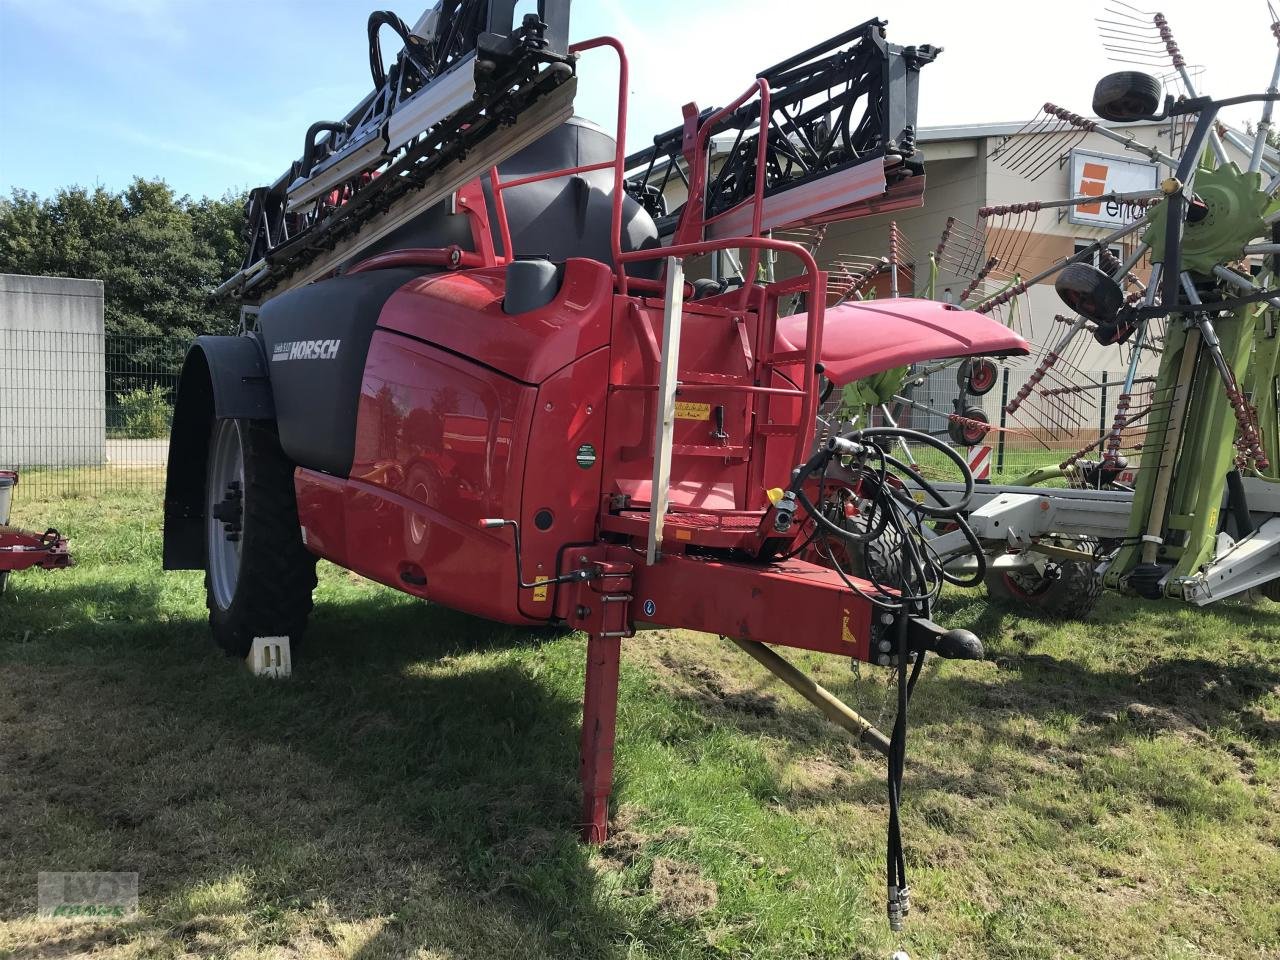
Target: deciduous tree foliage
158	255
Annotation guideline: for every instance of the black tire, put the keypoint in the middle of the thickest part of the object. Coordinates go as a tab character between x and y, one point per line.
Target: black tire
1070	590
968	434
1127	96
881	557
1111	334
270	595
1271	590
1090	292
977	376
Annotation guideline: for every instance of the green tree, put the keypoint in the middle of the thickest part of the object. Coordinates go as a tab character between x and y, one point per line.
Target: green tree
159	256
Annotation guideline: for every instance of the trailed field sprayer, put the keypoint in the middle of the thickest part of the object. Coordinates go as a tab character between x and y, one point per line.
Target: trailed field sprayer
471	368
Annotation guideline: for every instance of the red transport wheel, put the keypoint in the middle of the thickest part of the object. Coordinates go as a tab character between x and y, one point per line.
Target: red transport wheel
977	376
970	431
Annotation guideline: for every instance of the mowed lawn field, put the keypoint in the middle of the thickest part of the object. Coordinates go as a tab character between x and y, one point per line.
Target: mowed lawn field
1108	789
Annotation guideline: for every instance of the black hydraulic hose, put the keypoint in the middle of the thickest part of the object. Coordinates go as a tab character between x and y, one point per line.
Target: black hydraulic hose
377	20
920	576
309	145
961	523
904	434
834	528
898	890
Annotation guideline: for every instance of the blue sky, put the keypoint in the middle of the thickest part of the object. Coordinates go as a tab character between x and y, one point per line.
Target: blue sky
215	96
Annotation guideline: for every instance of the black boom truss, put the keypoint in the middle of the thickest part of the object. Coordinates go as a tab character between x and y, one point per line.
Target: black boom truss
353	170
835	105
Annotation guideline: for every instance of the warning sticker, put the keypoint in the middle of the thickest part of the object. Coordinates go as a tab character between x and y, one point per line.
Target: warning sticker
846	633
540	591
689	410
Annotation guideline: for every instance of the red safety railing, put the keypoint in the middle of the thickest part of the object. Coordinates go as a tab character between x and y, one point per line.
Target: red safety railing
618	163
695	212
815	297
693	223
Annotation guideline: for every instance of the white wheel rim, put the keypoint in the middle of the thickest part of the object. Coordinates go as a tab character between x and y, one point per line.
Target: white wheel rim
226	467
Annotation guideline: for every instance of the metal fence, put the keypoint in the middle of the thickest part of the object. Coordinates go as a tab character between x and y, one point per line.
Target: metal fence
85	413
1046	432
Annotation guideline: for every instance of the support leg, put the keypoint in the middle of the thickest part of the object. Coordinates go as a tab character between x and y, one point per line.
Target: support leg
599	721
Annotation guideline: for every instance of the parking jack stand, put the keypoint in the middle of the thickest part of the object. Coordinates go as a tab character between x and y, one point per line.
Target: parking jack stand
601	607
599	722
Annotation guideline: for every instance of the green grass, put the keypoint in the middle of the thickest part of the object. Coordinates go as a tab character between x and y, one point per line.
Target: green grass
1092	790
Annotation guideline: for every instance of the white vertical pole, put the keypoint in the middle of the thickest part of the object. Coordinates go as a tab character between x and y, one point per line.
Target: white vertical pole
668	373
1264	125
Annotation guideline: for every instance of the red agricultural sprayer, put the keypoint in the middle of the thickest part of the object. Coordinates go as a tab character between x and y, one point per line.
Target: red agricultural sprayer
484	362
22	549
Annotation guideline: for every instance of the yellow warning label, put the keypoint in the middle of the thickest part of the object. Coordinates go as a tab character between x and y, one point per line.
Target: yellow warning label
684	534
688	410
540	592
847	634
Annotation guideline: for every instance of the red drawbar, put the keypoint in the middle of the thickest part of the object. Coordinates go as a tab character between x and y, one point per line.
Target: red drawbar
795	604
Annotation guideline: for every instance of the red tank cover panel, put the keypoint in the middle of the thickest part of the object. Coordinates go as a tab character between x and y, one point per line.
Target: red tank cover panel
462	312
440	445
871	336
562	475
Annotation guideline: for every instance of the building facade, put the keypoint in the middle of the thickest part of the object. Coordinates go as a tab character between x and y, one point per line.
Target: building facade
52	376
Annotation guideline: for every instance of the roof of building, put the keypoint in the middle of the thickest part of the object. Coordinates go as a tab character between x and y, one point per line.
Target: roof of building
972	131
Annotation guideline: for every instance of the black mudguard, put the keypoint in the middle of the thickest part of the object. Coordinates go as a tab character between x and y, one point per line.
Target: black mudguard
222	377
316	341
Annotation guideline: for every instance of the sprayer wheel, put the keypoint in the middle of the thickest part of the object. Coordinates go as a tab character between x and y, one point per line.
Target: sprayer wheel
258	574
881	557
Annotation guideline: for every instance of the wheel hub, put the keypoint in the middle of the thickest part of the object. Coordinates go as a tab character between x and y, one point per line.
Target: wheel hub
230	510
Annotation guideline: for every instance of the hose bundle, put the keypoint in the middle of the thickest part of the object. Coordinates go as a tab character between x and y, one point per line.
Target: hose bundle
898	519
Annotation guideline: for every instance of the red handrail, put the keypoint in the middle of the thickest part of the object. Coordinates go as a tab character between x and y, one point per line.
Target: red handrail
694	220
619	145
816	292
500	213
618	163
